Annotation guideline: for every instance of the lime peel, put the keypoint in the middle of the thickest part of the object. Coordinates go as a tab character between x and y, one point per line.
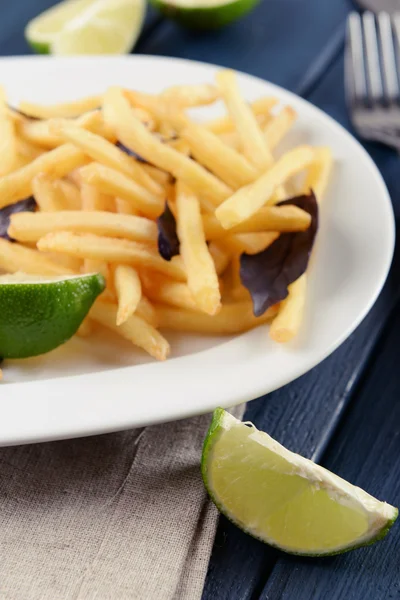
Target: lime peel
284	499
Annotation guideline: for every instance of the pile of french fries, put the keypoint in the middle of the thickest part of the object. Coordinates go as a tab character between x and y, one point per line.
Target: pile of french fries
98	205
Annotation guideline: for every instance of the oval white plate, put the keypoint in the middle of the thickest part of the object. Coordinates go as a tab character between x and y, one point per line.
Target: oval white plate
89	387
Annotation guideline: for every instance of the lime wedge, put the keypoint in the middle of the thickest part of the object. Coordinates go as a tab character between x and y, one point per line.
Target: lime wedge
87	27
284	499
204	14
38	314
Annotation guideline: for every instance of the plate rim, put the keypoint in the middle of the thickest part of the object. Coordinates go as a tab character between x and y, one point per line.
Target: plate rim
38	433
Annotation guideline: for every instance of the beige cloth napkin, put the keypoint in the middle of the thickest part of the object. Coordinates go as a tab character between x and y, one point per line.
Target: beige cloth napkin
122	516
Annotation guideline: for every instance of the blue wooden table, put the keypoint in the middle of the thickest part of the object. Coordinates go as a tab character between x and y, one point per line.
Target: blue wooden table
345	413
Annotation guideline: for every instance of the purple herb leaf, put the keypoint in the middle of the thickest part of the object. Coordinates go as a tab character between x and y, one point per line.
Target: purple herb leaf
268	274
27	205
168	242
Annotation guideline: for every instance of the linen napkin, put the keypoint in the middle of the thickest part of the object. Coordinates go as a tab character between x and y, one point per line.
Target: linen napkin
121	516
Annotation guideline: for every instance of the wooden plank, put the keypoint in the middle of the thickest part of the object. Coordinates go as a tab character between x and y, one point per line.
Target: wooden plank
304	415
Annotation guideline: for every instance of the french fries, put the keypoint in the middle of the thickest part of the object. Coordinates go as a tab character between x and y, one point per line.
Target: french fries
253	142
102	170
112	182
111	250
135	329
246	201
201	273
30	227
129	292
232	318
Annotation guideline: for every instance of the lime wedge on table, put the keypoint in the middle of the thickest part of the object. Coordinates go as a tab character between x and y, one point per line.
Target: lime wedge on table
39	314
284	499
87	27
204	14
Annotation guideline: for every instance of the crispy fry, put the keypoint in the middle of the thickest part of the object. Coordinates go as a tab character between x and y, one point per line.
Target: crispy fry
319	172
129	291
161	177
96	266
27	149
40	132
14	257
56	163
136	330
107	154
253	141
30	227
85	328
8	140
64	109
112	250
232	318
133	134
287	323
201	273
112	182
223	125
191	95
220	257
47	196
124	207
278	127
226	163
247	201
145	310
71	193
166	291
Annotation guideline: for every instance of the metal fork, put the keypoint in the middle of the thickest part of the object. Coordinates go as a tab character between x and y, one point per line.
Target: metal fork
372	80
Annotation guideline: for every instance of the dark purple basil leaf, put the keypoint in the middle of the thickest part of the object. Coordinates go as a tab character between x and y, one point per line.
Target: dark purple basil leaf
168	242
130	152
268	274
27	205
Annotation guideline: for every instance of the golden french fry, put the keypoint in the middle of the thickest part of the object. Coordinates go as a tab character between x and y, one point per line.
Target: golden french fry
222	125
161	177
247	201
252	139
41	132
191	95
71	193
112	182
230	166
319	172
85	328
30	227
136	330
277	128
112	250
134	135
95	266
64	109
167	291
56	163
145	310
268	218
181	146
253	243
107	154
232	318
14	257
129	291
202	277
220	257
8	140
47	196
287	323
124	207
27	149
230	139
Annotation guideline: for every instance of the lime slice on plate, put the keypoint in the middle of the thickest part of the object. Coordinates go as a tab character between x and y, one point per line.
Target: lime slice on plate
87	27
204	14
284	499
38	314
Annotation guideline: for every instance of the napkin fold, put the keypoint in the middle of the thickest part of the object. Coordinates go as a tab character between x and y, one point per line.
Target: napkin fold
121	516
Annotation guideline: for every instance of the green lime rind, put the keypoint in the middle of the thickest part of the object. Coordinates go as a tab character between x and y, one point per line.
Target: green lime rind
38	47
215	430
38	317
205	17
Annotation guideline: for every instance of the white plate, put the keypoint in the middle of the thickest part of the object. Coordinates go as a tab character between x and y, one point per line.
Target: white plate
89	387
